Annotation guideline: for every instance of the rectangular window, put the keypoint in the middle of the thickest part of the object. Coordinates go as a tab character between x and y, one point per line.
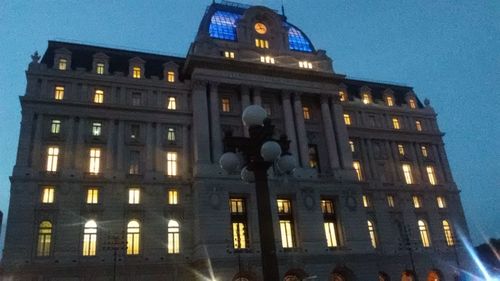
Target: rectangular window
173	197
134	195
136	99
390	201
171	163
229	55
98	96
136	72
133	168
407	173
52	158
351	145
441	202
366	98
395	123
367	201
347	119
306	112
423	149
305	64
99	68
59	93
371	231
55	126
389	101
92	196
171	134
286	223
171	103
342	96
239	223
330	223
135	131
226	104
267	59
96	129
171	76
63	64
412	103
48	194
95	161
417	201
431	175
418	126
260	43
357	167
401	149
313	157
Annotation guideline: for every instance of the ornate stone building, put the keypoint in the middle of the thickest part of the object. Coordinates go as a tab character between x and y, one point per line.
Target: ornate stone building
117	168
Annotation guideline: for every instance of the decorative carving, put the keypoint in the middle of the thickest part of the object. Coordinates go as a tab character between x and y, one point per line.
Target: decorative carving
215	200
308	198
427	102
35	57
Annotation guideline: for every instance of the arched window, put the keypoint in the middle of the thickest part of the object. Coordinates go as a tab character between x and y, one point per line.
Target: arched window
173	246
424	233
382	276
89	238
337	277
133	237
407	276
44	239
448	233
371	231
433	276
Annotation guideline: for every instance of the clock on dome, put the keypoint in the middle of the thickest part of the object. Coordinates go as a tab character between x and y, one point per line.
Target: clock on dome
260	28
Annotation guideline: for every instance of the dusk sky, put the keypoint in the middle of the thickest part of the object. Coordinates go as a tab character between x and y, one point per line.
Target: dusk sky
449	51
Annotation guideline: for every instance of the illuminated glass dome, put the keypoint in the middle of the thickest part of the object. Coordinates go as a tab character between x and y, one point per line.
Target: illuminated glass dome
223	25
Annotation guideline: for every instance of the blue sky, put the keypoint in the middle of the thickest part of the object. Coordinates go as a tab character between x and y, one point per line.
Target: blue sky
449	51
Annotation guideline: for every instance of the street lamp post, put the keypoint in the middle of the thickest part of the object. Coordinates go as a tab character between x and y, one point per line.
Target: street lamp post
115	243
260	152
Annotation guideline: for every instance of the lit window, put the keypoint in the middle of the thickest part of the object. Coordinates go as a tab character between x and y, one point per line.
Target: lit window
389	101
343	96
441	202
134	195
59	93
99	96
366	201
134	161
395	123
171	103
305	64
136	99
390	201
357	167
92	196
173	197
347	119
133	237
239	223
95	161
431	175
260	43
90	238
173	243
306	112
330	223
52	158
96	129
423	148
366	98
267	59
424	233
226	104
407	173
44	239
136	72
171	76
351	144
371	231
172	163
418	126
99	68
63	64
448	233
48	194
55	126
229	54
171	134
417	201
401	149
412	103
286	223
313	157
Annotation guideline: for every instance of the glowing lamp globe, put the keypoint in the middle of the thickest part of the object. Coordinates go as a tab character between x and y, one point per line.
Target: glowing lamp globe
247	175
254	115
270	151
286	164
229	162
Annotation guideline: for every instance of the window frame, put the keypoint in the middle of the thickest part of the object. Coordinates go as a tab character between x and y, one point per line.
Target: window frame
45	241
173	237
239	223
133	231
330	223
89	241
52	162
286	223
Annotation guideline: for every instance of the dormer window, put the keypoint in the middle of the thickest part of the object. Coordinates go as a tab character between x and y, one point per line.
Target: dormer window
366	98
136	72
305	64
99	69
267	59
261	43
63	64
171	76
389	101
343	96
412	103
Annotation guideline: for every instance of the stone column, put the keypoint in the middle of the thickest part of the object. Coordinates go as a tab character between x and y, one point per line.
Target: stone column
158	149
440	166
257	99
371	160
185	152
420	162
215	132
150	147
392	162
289	123
23	151
341	134
110	145
37	159
200	123
301	131
331	143
68	149
397	164
120	145
80	156
245	102
366	161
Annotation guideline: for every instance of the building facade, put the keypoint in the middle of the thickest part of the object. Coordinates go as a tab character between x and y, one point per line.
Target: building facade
117	169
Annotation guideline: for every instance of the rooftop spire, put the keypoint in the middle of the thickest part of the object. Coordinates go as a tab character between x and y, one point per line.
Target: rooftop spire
283	8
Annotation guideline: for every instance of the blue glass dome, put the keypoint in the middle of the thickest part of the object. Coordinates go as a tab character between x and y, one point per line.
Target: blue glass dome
223	25
297	41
